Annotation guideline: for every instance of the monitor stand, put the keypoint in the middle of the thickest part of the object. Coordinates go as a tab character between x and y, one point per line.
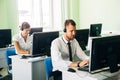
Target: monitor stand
112	63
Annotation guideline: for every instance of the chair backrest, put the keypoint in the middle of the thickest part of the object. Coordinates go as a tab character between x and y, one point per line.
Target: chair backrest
48	66
9	52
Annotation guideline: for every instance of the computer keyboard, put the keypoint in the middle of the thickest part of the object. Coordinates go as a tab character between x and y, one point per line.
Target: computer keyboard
29	56
86	68
38	55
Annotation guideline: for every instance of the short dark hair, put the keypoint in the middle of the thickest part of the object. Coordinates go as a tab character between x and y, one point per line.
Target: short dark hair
67	22
24	26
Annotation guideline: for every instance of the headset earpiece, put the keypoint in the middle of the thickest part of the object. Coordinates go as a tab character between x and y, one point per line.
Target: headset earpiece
21	28
64	30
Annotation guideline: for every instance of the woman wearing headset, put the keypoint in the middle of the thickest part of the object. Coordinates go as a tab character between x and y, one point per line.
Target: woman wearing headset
22	41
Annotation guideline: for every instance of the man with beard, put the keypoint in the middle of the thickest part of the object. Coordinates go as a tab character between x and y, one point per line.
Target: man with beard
64	48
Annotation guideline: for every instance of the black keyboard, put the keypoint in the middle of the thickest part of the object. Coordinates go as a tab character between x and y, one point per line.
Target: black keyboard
86	68
37	55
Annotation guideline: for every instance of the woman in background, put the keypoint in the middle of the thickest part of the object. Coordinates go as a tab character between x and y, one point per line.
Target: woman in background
22	41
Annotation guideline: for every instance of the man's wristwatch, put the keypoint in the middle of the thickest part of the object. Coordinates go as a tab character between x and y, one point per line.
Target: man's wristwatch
78	64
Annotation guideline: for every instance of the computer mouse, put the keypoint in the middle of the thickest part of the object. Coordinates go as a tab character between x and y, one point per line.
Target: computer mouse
71	70
23	57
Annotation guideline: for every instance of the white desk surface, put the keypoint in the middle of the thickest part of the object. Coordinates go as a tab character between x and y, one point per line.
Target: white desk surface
82	75
18	57
28	69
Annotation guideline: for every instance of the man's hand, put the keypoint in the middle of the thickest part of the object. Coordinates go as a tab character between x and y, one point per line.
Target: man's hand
81	64
84	63
73	64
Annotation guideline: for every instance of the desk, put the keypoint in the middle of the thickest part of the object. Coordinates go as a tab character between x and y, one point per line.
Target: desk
3	57
81	75
28	69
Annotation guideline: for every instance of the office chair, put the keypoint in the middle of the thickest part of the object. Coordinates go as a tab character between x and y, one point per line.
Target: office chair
48	67
9	52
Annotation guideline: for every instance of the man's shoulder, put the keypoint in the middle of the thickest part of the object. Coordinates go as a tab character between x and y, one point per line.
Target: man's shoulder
57	39
75	40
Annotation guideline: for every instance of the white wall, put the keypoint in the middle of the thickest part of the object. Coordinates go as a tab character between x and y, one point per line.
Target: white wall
106	12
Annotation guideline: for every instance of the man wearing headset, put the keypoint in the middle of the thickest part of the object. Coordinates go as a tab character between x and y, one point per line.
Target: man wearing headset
60	53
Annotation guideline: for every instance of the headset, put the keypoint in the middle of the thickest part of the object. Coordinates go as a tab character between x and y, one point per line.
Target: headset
64	30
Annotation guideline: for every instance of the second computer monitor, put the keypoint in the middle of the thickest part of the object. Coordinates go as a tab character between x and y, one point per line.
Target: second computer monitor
42	42
37	29
95	30
82	37
5	37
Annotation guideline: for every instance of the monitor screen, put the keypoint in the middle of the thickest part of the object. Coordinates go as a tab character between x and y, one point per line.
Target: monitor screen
39	29
5	37
42	42
95	30
82	37
105	53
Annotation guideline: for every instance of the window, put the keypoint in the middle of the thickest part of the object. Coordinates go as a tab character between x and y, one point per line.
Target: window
24	11
41	13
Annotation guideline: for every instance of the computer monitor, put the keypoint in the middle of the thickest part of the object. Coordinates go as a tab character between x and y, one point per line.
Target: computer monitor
38	29
82	37
5	37
42	42
95	30
105	54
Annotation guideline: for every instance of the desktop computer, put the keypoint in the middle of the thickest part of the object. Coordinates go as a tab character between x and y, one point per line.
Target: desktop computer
105	54
37	29
95	30
82	37
5	37
42	42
